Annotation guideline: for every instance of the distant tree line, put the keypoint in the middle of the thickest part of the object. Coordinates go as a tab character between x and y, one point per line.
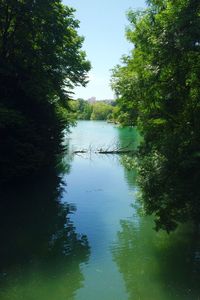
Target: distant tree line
158	89
98	110
40	62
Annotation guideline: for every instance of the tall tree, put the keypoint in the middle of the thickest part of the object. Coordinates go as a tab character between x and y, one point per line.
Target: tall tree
40	62
164	71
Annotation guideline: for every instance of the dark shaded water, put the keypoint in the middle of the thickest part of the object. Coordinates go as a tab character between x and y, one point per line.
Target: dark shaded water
80	236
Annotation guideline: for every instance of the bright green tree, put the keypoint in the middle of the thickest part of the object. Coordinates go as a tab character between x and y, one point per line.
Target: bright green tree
84	110
123	83
163	86
101	111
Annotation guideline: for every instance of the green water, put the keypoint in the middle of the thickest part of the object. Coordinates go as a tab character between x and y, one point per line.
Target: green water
80	235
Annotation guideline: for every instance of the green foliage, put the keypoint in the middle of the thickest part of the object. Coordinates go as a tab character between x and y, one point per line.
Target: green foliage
84	110
101	111
40	62
123	82
160	81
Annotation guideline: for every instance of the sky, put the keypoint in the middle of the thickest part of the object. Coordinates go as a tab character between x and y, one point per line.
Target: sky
102	23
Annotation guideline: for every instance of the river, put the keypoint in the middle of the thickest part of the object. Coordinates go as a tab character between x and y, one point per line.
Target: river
80	234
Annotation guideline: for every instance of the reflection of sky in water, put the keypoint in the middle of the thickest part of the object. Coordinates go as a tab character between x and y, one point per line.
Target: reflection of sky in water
94	134
128	259
102	198
99	135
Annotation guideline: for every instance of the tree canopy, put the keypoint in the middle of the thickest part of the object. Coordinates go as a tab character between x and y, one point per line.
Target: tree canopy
158	88
99	110
40	62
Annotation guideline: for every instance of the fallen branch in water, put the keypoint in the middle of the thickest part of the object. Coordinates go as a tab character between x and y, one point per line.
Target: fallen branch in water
108	150
79	151
114	151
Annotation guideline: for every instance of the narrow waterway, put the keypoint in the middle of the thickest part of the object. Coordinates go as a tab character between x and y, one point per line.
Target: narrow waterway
82	236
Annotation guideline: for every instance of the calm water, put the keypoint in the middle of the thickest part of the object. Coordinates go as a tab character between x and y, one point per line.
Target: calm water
80	236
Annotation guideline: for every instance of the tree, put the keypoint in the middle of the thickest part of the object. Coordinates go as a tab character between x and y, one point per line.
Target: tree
123	83
84	110
164	68
40	62
101	111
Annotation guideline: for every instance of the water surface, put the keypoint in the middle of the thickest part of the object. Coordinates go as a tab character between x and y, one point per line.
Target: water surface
80	235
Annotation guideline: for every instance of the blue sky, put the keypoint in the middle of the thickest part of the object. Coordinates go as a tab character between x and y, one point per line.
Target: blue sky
102	23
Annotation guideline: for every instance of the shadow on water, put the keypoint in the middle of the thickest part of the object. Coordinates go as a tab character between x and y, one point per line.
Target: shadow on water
156	265
41	253
125	135
129	137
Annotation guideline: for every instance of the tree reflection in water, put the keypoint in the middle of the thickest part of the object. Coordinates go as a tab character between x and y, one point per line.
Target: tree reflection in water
157	266
41	252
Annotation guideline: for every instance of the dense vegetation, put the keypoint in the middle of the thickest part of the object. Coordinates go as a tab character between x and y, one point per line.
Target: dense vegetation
40	62
98	110
158	90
